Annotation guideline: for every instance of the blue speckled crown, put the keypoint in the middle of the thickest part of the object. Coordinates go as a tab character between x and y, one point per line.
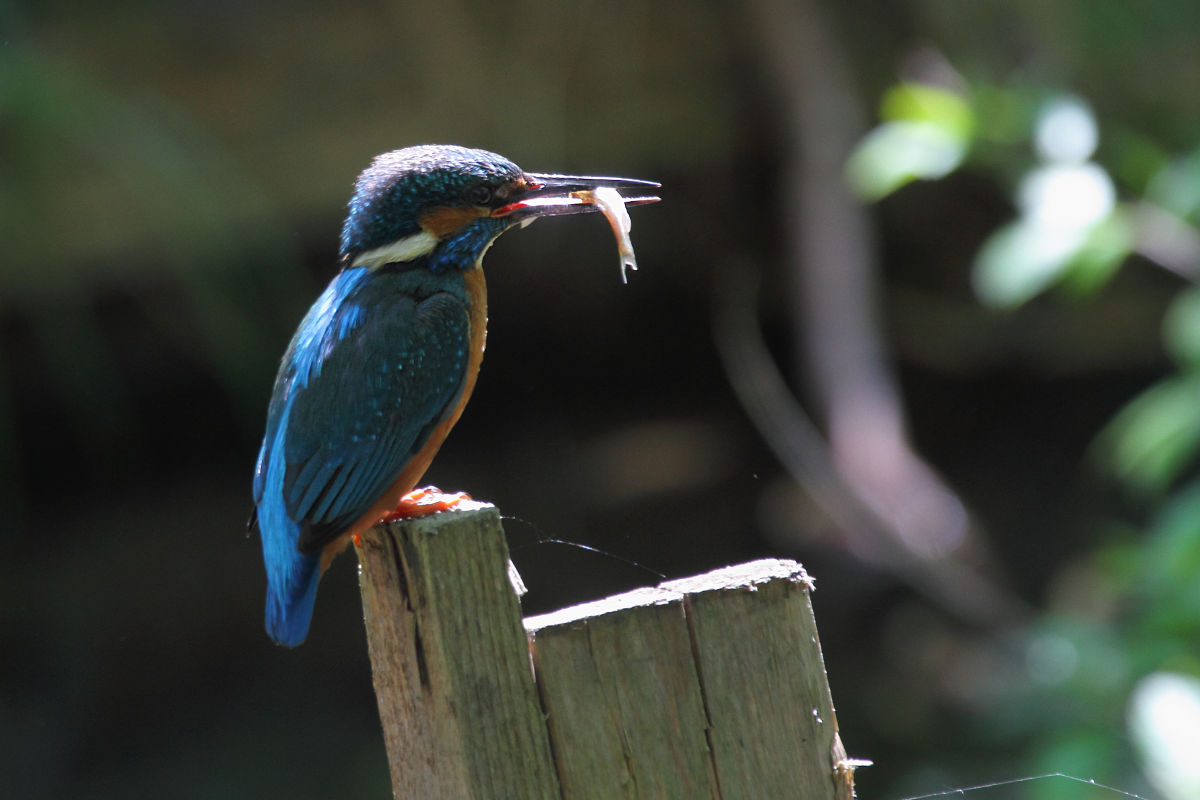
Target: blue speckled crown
390	194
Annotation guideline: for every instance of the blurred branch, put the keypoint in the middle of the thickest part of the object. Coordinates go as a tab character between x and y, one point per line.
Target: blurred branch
916	518
798	444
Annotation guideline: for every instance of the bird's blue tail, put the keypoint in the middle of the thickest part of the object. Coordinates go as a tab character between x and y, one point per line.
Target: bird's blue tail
290	600
292	576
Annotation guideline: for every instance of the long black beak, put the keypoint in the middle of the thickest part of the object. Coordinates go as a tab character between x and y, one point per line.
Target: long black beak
552	195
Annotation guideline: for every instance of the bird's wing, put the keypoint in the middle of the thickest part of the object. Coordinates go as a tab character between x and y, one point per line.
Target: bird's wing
361	398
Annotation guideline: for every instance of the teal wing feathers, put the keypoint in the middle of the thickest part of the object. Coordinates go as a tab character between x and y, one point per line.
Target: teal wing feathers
357	396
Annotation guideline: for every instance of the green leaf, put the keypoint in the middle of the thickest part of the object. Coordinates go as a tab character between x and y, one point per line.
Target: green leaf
1176	187
1022	259
1070	229
1155	435
1181	328
916	102
1164	715
1065	131
1104	250
924	136
897	153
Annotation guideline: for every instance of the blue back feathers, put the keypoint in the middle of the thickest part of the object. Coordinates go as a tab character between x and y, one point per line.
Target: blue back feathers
377	363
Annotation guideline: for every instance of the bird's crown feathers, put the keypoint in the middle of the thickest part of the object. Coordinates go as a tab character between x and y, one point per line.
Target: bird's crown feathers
393	195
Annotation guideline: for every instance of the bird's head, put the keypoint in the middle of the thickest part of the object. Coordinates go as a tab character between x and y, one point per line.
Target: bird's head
447	204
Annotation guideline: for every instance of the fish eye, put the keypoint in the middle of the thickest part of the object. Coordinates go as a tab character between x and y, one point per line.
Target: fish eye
479	195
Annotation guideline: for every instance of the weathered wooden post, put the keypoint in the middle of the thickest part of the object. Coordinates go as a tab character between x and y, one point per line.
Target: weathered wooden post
711	686
719	677
456	695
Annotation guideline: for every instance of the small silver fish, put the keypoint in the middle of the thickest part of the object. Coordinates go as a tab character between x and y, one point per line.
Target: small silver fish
612	205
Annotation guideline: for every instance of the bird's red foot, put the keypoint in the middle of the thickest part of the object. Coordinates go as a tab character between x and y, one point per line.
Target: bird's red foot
423	502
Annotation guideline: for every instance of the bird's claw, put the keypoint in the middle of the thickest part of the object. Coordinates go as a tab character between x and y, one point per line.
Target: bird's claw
423	502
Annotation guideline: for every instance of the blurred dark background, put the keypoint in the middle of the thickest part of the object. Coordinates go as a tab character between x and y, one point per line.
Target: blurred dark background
916	310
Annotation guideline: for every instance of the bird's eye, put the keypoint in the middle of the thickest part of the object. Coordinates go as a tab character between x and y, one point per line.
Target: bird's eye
478	195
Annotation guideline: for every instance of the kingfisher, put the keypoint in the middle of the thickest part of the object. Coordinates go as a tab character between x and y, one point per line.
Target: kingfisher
384	362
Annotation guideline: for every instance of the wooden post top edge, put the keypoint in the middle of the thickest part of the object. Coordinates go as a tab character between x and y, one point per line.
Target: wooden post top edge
744	577
440	518
594	609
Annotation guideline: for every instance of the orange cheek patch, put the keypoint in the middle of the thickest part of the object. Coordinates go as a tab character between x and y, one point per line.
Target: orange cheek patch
442	222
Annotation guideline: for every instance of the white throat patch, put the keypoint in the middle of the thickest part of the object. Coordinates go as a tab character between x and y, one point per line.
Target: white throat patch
399	251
